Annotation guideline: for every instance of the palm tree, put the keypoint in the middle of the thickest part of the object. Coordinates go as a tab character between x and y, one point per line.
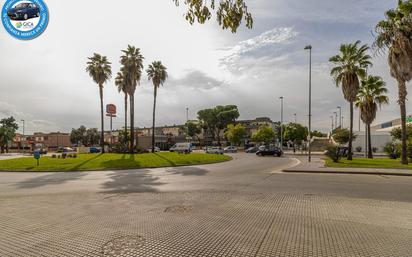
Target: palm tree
122	87
157	74
372	94
350	66
395	33
100	71
132	66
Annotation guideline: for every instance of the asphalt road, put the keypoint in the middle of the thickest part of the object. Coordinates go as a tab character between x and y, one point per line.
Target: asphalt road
245	207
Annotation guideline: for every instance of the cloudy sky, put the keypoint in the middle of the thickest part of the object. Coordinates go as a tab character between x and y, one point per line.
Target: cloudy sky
44	81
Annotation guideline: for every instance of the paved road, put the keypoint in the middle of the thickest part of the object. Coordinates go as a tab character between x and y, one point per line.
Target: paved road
245	207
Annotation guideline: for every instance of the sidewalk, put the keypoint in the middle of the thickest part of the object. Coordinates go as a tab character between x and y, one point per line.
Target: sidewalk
318	166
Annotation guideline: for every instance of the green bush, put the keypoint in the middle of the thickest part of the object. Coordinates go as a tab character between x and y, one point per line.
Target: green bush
54	156
393	150
74	155
333	153
358	149
64	155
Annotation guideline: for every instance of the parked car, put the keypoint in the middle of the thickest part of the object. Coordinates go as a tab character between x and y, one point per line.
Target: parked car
65	150
95	150
230	149
156	149
24	11
274	151
215	150
252	149
40	150
181	148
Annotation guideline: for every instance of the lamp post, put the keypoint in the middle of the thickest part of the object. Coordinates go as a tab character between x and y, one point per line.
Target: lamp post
187	114
281	122
296	119
309	47
342	121
24	138
336	119
340	116
331	117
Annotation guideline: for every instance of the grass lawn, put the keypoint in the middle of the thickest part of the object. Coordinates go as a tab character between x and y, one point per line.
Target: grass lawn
380	163
110	161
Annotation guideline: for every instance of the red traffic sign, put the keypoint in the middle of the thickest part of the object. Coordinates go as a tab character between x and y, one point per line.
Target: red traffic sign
111	109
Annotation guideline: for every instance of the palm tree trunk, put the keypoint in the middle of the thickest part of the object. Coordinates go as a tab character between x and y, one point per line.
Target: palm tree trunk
154	117
350	133
370	155
402	100
102	118
125	119
132	123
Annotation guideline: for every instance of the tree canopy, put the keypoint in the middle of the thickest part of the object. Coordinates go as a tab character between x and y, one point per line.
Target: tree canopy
264	135
218	118
295	132
341	136
229	13
8	128
235	133
84	136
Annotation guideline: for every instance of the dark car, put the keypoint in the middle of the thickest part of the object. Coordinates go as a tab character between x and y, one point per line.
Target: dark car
24	11
252	149
273	151
95	150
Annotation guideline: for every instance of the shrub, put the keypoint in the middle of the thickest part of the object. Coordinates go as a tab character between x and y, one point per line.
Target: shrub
393	150
64	155
58	156
74	155
358	149
333	153
54	156
375	149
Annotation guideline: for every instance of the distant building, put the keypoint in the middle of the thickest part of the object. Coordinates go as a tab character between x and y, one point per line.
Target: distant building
50	141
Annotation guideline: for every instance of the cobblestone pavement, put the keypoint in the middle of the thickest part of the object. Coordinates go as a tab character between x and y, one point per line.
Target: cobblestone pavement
224	212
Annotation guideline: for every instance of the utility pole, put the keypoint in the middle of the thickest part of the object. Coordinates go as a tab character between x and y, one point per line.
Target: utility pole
187	114
340	116
296	119
24	138
281	122
309	47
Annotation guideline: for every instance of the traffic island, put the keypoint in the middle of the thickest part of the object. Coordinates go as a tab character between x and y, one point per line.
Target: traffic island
99	162
359	166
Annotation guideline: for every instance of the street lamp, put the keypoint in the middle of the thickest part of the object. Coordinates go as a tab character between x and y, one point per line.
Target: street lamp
187	114
331	117
296	119
24	138
281	122
309	47
340	116
336	119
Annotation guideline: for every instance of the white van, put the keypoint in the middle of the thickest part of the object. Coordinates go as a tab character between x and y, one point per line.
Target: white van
181	148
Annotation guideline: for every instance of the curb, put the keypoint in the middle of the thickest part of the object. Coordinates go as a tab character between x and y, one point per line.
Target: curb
378	173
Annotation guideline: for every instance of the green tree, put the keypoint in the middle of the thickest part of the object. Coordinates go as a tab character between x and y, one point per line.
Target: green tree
8	128
316	133
121	84
264	135
193	129
395	33
216	119
350	66
132	66
342	136
92	137
77	136
295	132
372	94
100	71
230	13
235	133
396	133
157	74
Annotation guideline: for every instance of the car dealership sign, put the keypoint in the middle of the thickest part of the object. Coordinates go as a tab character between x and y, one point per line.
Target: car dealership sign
111	109
26	19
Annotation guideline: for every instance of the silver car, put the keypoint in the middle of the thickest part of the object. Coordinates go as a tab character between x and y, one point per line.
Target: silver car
215	150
